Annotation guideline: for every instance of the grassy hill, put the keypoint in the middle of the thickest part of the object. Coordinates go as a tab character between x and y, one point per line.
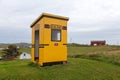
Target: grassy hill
109	54
92	50
21	45
84	63
76	69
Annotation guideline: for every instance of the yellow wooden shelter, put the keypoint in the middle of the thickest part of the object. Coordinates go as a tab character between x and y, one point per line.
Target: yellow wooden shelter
49	39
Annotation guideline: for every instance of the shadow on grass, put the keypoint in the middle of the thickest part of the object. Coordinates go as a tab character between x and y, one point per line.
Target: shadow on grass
33	64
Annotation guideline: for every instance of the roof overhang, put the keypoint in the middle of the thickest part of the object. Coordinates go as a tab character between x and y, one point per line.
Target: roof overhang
50	16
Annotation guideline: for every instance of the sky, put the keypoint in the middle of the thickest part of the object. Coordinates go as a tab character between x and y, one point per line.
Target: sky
89	19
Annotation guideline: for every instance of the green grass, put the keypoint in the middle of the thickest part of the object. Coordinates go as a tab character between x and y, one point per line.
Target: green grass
90	50
0	53
76	69
25	50
109	54
84	63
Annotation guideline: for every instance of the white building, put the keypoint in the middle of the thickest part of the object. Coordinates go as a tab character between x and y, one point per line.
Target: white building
25	55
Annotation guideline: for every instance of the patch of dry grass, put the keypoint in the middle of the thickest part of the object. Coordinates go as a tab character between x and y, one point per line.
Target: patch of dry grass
109	54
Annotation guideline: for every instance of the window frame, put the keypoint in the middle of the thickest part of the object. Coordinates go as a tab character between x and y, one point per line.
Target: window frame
60	35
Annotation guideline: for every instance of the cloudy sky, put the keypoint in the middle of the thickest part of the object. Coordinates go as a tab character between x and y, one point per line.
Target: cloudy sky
89	19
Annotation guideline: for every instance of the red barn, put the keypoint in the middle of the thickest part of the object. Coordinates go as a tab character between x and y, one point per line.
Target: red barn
98	43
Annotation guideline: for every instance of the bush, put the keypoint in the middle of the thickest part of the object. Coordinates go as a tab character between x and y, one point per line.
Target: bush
11	52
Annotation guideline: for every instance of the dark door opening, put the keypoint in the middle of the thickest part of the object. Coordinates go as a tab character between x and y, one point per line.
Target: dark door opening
36	53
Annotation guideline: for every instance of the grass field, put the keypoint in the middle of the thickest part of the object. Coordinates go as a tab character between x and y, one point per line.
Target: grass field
0	53
76	69
25	50
109	54
84	63
92	50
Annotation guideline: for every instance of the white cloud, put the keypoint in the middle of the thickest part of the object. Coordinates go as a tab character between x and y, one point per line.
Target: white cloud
86	16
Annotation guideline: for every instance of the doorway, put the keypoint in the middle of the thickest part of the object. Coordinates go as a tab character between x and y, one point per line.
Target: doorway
36	53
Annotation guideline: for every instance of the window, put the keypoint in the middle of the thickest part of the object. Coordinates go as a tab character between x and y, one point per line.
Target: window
56	35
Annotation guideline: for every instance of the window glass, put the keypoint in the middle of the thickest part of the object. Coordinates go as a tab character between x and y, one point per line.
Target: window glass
56	35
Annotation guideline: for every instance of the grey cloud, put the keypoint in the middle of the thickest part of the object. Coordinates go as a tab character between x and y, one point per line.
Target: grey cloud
89	19
112	36
15	35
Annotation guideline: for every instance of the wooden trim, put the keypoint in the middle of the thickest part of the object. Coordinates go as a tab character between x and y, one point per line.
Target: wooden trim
65	44
47	26
64	28
33	45
43	45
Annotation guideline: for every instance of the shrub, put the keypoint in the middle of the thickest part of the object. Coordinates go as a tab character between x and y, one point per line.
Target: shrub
11	52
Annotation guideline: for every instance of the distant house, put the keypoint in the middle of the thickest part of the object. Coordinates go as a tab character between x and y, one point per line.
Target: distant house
98	43
25	55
